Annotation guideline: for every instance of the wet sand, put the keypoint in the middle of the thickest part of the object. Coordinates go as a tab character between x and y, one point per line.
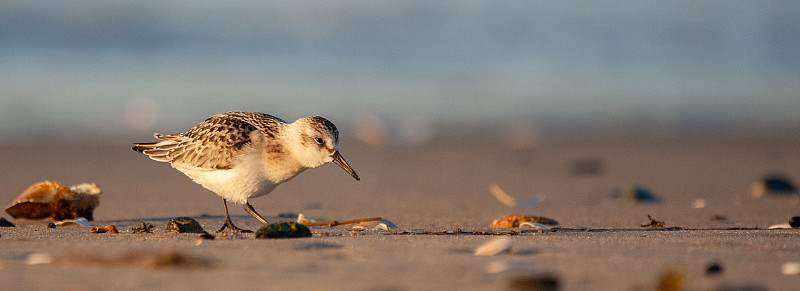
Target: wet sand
427	190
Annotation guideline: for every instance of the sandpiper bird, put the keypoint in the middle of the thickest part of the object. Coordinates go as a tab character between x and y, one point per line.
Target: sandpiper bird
239	155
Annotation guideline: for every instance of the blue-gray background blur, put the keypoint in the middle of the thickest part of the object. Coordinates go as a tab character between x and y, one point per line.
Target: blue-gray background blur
109	69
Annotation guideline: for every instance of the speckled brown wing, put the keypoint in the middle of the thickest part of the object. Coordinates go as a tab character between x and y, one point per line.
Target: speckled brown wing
213	143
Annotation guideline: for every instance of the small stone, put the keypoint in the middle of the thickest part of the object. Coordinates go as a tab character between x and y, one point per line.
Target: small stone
5	223
795	222
111	228
51	225
534	282
284	230
184	225
714	269
98	230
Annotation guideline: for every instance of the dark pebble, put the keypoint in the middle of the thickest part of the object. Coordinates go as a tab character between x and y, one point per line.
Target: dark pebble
5	223
795	222
534	282
51	225
714	269
284	230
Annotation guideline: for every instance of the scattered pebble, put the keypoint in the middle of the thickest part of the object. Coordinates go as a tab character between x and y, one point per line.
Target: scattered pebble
540	282
714	269
699	203
637	194
48	199
790	268
772	185
283	230
510	201
516	220
672	280
5	223
51	225
184	225
494	247
794	222
107	228
39	259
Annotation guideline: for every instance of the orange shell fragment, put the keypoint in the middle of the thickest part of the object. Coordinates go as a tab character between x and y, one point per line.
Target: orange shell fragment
516	220
53	200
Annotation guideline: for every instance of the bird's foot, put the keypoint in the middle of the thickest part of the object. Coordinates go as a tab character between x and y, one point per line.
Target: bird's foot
233	228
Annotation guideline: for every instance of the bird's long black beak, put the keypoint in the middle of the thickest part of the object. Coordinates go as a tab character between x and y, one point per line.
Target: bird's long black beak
339	160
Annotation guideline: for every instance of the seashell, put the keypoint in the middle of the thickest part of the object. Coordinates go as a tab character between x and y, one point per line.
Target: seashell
184	225
39	259
790	268
382	224
493	247
53	200
510	201
516	220
302	219
772	185
73	222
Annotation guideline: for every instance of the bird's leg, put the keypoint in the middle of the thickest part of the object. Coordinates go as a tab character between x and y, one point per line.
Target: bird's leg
228	222
249	208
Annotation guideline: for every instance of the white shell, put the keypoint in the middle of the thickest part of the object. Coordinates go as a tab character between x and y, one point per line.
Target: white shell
534	225
382	224
73	222
493	247
302	219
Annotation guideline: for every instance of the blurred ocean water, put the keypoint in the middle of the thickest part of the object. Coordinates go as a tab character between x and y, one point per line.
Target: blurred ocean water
102	68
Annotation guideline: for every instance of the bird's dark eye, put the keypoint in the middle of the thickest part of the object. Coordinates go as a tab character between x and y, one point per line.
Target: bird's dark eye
319	140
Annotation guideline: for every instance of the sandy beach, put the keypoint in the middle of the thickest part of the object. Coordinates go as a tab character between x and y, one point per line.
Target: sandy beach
437	193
